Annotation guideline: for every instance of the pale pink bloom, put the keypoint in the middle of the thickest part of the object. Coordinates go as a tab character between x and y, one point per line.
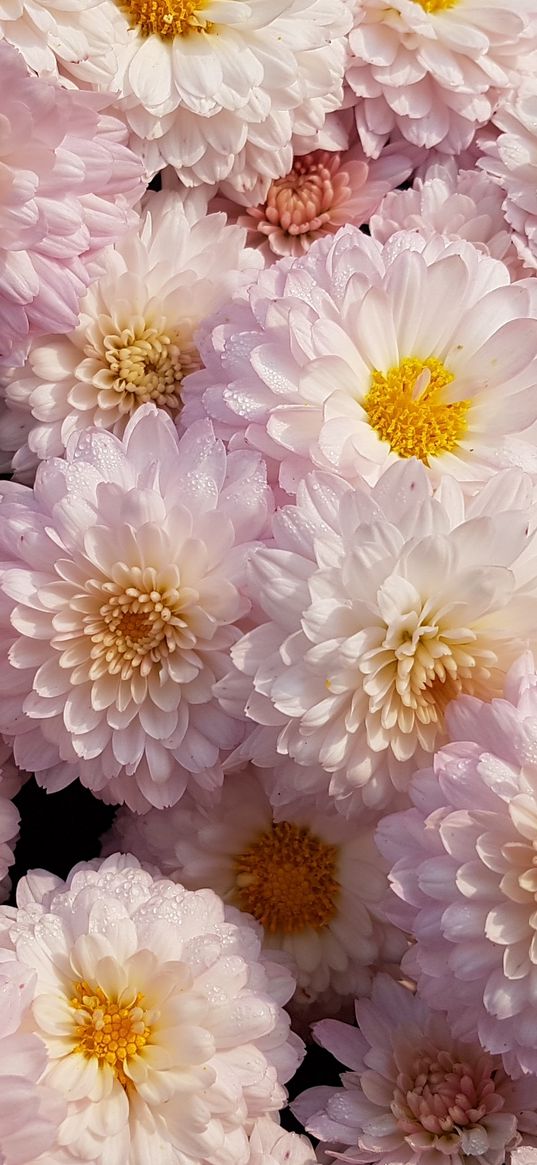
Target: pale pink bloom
433	69
271	1145
217	90
312	879
30	1113
358	355
67	182
381	606
164	1026
461	204
464	871
135	338
121	590
510	158
321	193
415	1093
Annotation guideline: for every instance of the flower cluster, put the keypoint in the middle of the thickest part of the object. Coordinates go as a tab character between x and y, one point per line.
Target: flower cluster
268	582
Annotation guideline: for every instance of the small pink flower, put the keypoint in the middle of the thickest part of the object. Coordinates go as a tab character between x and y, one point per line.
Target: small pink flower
416	1095
322	191
67	186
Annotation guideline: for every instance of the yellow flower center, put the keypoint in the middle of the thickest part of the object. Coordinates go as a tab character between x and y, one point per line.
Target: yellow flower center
141	621
166	18
405	406
287	879
145	363
111	1031
437	5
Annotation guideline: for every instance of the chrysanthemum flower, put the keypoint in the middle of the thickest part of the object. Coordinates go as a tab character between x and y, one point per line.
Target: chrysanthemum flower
358	355
217	90
67	181
433	68
381	607
30	1113
271	1145
323	191
415	1095
312	879
511	159
163	1026
135	338
461	204
464	869
121	589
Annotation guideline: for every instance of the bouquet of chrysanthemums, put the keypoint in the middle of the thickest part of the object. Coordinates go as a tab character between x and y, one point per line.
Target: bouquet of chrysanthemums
268	582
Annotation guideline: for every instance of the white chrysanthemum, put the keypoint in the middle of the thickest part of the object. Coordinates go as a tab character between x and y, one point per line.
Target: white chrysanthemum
357	355
511	159
164	1027
462	204
313	880
432	69
121	588
382	606
216	88
135	340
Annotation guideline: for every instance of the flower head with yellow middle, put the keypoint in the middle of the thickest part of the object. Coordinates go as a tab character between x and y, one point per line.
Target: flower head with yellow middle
312	879
163	1027
359	355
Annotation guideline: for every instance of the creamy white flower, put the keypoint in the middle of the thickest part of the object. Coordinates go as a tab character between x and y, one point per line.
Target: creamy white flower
313	880
135	339
382	606
163	1027
510	157
271	1145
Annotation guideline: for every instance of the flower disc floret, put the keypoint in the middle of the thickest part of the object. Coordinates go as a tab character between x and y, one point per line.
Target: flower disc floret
165	18
358	354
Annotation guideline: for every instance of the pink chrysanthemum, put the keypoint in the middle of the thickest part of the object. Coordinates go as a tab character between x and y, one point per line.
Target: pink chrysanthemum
30	1113
381	606
164	1026
432	69
121	588
416	1094
356	356
312	879
67	183
464	870
461	204
510	158
323	191
135	338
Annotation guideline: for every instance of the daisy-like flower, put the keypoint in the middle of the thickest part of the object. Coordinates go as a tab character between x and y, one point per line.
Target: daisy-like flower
163	1026
415	1095
462	204
432	69
464	871
121	589
135	338
382	606
67	180
323	191
51	33
358	355
217	89
271	1145
312	879
30	1113
511	159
